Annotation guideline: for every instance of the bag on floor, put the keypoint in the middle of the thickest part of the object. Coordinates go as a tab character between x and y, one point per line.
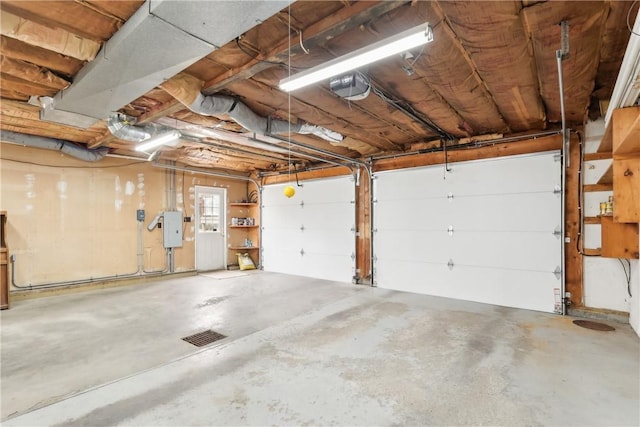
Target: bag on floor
245	262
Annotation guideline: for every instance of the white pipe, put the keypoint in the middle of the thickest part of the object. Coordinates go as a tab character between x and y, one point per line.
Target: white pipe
626	90
564	165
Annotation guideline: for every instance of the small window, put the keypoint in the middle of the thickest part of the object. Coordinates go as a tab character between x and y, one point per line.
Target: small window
209	213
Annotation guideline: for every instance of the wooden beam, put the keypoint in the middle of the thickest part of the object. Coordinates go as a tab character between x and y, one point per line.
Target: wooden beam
592	220
589	157
626	190
363	224
626	131
316	34
315	174
592	252
572	257
598	187
20	50
546	143
32	73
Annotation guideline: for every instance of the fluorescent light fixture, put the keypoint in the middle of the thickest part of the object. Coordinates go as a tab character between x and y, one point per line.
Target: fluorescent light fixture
168	138
401	42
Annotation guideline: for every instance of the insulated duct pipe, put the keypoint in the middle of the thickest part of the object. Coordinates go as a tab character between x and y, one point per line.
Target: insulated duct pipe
67	147
216	105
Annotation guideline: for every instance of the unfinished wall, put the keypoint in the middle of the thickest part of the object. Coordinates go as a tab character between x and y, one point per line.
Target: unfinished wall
605	284
73	220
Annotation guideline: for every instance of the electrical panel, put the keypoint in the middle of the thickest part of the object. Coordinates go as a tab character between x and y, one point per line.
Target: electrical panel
172	229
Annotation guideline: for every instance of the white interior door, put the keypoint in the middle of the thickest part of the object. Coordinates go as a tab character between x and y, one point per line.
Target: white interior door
483	232
312	233
211	251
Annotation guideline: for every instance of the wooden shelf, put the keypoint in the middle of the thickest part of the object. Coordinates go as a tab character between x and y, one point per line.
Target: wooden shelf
242	204
243	226
592	220
619	240
592	252
589	157
598	187
242	248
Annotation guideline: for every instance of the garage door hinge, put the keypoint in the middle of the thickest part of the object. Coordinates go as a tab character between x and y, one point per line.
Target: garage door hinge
557	232
450	264
353	256
557	157
557	189
450	230
353	202
302	227
557	272
450	197
302	204
301	252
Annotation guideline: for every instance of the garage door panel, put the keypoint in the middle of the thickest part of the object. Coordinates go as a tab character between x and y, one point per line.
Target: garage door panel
501	247
506	212
488	176
512	250
282	260
412	184
433	246
311	233
328	241
328	215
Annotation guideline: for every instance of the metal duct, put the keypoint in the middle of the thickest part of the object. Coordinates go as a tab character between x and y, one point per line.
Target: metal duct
216	105
122	126
67	147
160	39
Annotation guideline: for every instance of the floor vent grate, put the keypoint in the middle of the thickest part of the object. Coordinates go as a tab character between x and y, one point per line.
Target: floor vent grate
203	338
596	326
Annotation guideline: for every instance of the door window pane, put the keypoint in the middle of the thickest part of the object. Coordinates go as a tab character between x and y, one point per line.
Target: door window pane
209	205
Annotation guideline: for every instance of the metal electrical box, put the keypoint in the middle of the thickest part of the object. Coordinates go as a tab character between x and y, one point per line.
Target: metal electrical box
172	229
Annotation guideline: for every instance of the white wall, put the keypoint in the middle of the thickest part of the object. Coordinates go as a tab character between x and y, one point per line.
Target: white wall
604	280
634	309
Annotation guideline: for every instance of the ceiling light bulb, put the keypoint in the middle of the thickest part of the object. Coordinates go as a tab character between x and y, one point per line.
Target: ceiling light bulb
401	42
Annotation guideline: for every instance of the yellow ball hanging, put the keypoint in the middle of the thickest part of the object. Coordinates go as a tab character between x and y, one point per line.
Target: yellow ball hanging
289	191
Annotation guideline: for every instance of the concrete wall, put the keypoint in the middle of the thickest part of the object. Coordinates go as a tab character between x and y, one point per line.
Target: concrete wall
73	220
605	284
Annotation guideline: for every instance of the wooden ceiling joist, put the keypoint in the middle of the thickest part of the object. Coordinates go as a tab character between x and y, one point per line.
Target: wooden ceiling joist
348	17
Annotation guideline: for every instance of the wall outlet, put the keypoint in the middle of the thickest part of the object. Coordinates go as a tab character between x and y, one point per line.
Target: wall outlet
187	219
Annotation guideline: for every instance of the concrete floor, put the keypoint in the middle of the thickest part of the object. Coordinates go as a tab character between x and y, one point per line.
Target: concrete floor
303	351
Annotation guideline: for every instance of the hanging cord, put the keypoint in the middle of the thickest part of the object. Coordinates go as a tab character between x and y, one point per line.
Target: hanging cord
289	94
627	274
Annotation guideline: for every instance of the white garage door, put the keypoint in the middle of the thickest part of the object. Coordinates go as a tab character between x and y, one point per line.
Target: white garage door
482	232
310	234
